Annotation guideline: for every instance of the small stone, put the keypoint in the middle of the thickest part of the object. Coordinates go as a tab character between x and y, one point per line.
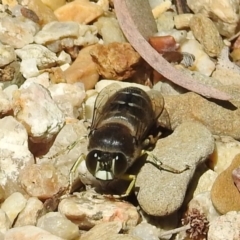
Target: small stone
225	13
41	181
207	34
59	225
7	54
83	69
44	13
14	154
202	63
225	227
226	148
44	57
68	97
5	103
13	205
81	11
34	107
29	233
87	209
42	79
224	194
161	192
109	29
115	60
5	223
30	213
17	32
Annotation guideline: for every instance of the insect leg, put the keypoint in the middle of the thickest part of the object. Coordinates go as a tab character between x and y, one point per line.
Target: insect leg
72	172
165	167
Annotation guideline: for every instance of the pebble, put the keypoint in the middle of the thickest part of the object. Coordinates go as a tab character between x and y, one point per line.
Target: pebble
54	4
83	69
41	181
87	209
81	11
225	13
59	225
225	227
29	233
5	103
14	154
68	97
207	34
160	192
13	205
116	61
44	13
5	223
236	177
30	213
224	194
19	31
202	63
60	35
35	108
39	55
226	148
190	106
7	54
108	27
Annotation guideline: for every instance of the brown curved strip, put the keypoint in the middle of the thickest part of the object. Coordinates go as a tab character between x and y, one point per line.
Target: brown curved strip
154	59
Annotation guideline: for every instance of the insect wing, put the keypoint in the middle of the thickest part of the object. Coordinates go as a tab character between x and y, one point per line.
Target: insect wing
157	102
101	101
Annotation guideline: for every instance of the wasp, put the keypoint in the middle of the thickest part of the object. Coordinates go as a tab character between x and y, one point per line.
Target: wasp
124	125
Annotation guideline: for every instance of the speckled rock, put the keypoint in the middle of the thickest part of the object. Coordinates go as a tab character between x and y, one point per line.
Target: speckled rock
5	103
82	11
87	209
14	154
190	106
42	181
34	107
225	227
160	192
59	225
16	31
30	213
225	13
29	233
224	194
13	205
107	231
207	34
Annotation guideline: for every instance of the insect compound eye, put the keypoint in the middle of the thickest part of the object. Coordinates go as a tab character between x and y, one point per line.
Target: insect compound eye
119	164
92	161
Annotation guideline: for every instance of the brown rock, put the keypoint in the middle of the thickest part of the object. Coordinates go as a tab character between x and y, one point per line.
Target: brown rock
190	106
42	181
83	69
81	11
224	194
115	60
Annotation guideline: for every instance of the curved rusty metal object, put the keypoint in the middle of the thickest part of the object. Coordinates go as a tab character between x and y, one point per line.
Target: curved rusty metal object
137	31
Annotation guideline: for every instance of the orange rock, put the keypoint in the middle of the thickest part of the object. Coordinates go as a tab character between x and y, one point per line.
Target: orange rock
81	11
83	69
224	194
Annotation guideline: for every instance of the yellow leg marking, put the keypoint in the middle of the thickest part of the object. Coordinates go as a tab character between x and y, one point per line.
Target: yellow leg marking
81	158
165	167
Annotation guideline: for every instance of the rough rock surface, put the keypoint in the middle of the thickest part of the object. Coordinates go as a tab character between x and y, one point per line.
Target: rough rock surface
224	194
225	227
159	192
